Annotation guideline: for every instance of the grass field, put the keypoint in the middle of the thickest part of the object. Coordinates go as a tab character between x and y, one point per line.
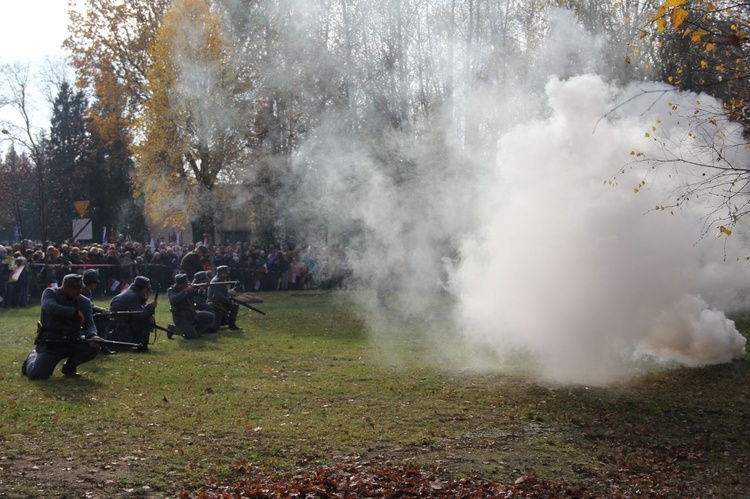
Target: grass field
305	386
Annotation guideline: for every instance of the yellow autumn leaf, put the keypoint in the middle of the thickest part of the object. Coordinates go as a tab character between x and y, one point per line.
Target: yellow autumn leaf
710	47
724	230
644	34
648	134
627	59
661	12
678	17
661	24
704	64
674	3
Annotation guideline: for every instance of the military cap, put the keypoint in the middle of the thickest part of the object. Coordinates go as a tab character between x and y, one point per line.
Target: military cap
73	281
201	276
181	279
142	282
222	269
90	276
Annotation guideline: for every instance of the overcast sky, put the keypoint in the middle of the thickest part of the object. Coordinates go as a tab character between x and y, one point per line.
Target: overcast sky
32	29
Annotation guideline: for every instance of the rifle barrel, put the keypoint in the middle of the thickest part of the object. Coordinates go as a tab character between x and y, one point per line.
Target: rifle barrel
246	305
220	283
102	341
115	312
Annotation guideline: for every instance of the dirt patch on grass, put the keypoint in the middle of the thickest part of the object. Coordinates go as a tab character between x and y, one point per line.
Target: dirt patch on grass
60	477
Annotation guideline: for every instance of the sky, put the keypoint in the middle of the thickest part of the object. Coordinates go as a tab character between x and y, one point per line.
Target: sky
32	32
32	29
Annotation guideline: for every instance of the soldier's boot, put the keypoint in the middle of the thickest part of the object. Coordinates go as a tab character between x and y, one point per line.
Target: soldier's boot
173	331
70	369
23	366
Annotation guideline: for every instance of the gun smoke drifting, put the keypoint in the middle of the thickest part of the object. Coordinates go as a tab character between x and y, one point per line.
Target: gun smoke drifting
536	254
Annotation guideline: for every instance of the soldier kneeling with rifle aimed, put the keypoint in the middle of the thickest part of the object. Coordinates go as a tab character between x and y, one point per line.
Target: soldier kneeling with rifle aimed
65	330
220	296
134	317
200	298
188	322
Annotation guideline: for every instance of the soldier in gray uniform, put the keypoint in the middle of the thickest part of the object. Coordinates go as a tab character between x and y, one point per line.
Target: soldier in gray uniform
219	298
136	324
189	322
200	298
65	318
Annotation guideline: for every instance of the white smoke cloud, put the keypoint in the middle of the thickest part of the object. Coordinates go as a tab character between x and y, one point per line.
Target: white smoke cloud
583	275
553	263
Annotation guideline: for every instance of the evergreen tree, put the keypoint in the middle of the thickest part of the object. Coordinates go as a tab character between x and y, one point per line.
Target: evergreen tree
66	175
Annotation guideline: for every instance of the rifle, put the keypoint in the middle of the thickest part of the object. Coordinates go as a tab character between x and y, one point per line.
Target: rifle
82	340
246	305
160	328
115	313
219	283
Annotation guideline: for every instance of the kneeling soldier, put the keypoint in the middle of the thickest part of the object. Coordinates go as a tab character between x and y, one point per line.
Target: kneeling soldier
219	296
65	316
200	298
134	319
189	322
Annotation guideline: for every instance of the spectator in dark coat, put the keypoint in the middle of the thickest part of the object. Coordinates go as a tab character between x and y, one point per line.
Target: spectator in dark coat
192	262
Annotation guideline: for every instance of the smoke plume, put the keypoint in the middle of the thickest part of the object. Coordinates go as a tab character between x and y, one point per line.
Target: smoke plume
581	275
540	247
561	262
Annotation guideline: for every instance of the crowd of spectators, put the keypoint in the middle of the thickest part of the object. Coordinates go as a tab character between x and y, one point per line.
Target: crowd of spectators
27	268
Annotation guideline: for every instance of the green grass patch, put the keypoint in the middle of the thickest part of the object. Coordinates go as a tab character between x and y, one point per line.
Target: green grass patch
305	385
